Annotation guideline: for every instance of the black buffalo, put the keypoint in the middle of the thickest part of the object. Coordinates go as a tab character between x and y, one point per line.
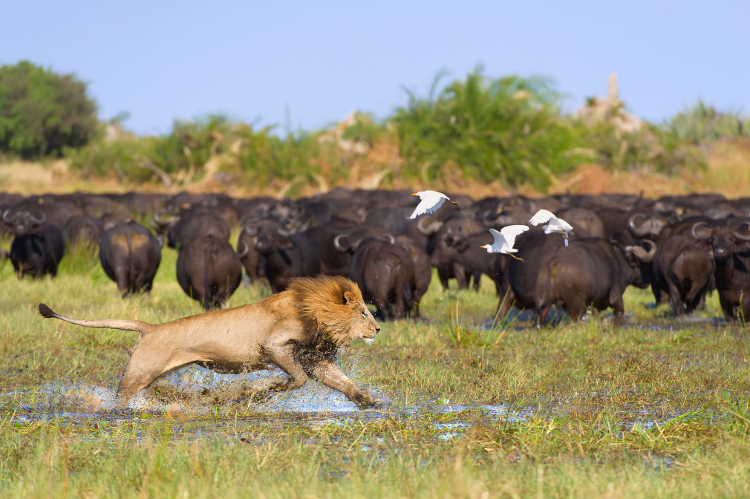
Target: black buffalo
591	272
384	272
682	270
130	255
38	246
730	246
209	271
191	224
84	228
286	255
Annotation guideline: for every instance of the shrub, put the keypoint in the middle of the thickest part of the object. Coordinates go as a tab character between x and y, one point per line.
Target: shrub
650	148
703	123
506	129
42	112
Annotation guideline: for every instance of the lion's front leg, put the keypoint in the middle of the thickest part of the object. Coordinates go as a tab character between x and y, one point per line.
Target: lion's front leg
284	358
330	375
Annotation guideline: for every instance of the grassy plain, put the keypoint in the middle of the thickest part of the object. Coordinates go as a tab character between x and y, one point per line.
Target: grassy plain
657	408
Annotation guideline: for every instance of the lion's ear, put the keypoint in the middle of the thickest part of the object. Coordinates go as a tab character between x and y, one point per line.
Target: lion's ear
349	298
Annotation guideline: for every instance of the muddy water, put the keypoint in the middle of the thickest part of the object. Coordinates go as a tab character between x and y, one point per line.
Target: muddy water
195	401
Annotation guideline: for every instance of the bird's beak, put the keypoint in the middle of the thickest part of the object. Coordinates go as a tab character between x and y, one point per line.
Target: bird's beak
414	194
454	203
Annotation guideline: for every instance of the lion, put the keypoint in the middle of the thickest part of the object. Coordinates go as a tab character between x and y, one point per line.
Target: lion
299	330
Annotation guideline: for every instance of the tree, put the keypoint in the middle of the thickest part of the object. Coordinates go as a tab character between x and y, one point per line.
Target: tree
42	112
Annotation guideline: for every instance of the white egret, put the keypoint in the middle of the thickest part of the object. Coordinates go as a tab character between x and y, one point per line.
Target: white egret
554	224
429	202
505	239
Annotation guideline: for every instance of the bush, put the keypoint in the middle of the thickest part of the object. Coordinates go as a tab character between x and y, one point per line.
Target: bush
651	148
42	112
506	129
206	146
703	123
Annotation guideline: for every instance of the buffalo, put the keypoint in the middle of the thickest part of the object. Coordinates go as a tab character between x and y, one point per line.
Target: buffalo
130	255
83	228
286	255
209	271
38	246
730	246
683	270
590	271
384	272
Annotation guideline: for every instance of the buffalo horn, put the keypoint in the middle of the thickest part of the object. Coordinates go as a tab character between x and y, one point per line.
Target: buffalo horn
8	220
337	243
159	220
700	234
428	228
39	221
636	231
388	237
244	253
648	256
284	232
743	237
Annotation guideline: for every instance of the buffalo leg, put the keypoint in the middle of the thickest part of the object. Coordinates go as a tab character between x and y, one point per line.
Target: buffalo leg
462	275
619	309
330	375
504	304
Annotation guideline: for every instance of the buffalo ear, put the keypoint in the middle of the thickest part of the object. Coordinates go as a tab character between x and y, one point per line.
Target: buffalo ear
349	298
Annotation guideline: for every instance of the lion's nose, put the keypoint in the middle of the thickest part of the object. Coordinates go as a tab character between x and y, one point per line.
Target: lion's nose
377	329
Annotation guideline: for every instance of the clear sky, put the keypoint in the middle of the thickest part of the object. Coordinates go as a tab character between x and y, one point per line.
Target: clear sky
160	60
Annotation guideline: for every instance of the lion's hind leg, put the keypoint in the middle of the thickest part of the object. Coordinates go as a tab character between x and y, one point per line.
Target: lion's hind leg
143	368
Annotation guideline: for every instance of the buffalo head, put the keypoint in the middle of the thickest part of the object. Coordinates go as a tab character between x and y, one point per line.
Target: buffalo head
271	236
22	222
724	241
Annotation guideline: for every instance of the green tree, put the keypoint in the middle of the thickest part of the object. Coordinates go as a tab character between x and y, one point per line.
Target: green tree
42	112
509	129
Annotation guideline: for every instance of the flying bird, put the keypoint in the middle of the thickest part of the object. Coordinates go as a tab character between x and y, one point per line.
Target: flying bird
505	239
554	224
429	202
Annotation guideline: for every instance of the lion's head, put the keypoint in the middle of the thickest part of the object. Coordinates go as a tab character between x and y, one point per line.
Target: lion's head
333	308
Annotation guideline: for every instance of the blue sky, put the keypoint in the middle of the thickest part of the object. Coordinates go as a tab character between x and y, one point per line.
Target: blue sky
254	60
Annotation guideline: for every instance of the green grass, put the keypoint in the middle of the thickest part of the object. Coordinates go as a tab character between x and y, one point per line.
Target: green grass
657	408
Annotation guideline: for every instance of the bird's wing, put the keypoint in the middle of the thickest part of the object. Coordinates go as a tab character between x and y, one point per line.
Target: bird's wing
436	194
565	225
542	216
499	238
511	232
426	206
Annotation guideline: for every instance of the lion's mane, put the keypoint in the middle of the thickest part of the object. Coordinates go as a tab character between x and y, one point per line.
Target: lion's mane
323	308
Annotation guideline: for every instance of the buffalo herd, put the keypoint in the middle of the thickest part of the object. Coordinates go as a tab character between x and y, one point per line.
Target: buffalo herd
683	247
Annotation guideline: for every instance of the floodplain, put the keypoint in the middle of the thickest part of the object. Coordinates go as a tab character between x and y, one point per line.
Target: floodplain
478	408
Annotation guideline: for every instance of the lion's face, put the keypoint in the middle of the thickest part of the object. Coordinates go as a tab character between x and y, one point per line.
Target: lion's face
363	324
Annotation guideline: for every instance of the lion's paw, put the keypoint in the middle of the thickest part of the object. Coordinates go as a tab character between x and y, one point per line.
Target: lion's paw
368	401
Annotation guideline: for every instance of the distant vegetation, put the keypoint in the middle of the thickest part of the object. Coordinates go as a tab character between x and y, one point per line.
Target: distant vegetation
510	130
42	112
703	123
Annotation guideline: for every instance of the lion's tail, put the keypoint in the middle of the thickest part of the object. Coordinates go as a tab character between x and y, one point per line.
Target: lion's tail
139	326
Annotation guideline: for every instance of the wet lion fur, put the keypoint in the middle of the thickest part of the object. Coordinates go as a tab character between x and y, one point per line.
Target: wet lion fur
299	330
